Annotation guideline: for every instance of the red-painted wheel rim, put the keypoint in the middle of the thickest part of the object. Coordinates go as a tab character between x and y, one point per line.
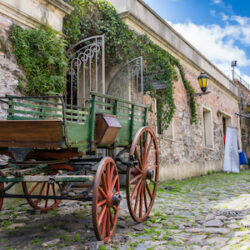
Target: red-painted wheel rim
141	181
44	188
1	198
106	189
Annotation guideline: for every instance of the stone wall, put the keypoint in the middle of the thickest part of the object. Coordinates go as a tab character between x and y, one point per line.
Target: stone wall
244	95
185	154
28	14
9	70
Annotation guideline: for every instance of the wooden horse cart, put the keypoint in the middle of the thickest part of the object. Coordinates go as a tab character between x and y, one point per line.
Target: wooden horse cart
53	148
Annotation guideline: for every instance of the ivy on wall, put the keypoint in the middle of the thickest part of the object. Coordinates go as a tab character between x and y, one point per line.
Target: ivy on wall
41	54
94	17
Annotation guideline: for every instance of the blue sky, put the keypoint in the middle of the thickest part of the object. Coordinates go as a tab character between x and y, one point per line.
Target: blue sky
219	29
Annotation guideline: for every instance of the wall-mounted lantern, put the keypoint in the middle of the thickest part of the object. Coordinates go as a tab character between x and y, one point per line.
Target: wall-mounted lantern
203	81
248	107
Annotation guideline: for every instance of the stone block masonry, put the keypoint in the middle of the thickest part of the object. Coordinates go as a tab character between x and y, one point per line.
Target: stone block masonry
187	153
9	70
28	14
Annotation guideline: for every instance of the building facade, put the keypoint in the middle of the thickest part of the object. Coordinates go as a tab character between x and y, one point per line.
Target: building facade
244	102
187	150
28	14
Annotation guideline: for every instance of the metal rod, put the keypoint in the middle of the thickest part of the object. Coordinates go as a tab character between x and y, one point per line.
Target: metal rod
28	97
83	84
71	84
96	67
65	123
90	74
137	85
103	66
48	178
45	197
142	89
77	89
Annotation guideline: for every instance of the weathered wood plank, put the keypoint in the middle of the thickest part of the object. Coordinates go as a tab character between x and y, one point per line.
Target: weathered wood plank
40	133
36	113
34	106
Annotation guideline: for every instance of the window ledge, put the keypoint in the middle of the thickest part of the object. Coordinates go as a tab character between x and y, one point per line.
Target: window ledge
209	148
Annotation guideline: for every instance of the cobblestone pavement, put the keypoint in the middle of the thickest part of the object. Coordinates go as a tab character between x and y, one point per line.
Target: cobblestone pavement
207	212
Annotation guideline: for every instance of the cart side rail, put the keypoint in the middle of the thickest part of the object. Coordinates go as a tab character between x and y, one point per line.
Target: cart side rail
43	108
48	109
131	115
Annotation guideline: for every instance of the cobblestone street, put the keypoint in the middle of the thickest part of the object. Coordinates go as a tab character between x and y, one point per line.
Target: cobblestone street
207	212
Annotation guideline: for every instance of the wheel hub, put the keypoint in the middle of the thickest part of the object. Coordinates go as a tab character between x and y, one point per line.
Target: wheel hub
149	174
116	199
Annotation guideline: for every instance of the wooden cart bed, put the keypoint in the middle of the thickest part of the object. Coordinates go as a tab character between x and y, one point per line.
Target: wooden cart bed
42	123
31	133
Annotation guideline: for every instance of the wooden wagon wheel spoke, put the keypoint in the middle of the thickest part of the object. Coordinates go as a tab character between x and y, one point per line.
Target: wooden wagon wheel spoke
145	198
113	183
106	199
153	167
149	147
139	170
104	224
134	179
101	203
111	218
108	221
138	157
141	195
103	211
141	201
45	188
136	188
111	175
145	144
33	188
137	199
115	208
141	150
104	183
102	192
108	180
47	193
150	158
149	192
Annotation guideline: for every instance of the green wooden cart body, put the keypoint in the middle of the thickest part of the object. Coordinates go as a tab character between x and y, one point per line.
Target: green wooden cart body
76	124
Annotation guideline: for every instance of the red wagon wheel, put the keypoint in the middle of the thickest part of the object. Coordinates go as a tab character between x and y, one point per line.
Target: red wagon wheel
45	188
141	181
106	199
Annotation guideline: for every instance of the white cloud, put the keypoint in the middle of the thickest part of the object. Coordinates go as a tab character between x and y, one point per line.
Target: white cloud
215	42
218	43
224	17
217	1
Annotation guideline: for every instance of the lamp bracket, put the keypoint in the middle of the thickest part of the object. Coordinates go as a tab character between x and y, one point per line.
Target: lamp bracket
201	94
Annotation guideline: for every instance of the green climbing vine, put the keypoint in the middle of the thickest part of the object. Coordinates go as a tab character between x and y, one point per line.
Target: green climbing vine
93	17
41	54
